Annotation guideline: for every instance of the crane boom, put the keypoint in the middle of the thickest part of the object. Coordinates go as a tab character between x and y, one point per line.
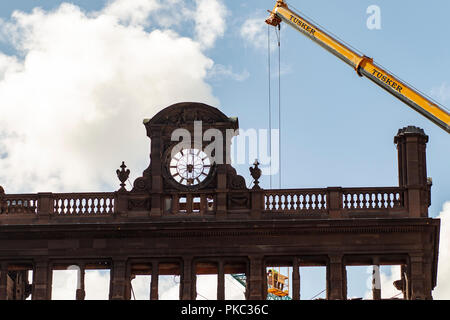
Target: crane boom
363	65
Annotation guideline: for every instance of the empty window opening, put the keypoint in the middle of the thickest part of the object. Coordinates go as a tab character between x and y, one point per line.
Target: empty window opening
313	282
64	284
206	280
18	282
388	282
169	281
91	281
235	280
359	282
140	287
97	283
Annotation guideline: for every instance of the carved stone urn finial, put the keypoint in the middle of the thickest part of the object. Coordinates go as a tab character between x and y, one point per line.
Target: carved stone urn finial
256	174
123	176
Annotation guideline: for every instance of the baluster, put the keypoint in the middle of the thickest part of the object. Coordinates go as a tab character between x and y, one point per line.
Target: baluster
108	205
98	206
398	198
292	202
63	206
297	203
77	206
111	205
316	201
103	205
323	202
307	202
303	202
95	206
344	201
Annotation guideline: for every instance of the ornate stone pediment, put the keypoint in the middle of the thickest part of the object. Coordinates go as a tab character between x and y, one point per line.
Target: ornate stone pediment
188	112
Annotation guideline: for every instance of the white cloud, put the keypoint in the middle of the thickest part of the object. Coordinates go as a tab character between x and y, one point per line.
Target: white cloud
219	71
442	290
441	93
209	21
134	12
254	32
73	99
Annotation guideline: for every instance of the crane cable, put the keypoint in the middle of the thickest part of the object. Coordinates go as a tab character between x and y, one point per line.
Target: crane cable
278	34
270	107
279	102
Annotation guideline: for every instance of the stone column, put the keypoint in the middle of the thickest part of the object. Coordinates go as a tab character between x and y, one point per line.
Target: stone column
81	293
257	283
404	281
188	279
376	282
295	280
120	281
220	281
3	281
155	279
336	278
420	278
42	277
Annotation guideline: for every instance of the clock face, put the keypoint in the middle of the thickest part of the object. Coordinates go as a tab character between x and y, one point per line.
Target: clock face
190	167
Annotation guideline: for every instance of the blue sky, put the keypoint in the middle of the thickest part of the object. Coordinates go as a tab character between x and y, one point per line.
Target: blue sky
337	128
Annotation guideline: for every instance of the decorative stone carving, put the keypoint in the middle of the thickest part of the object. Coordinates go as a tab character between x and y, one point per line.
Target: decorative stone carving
235	181
139	204
123	176
256	174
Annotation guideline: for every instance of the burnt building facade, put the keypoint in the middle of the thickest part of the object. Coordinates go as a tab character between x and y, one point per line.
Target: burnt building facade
189	214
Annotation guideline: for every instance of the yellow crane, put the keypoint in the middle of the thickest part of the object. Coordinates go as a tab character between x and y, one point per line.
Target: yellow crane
363	65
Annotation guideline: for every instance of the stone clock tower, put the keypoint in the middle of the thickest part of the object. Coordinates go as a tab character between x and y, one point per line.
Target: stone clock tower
190	153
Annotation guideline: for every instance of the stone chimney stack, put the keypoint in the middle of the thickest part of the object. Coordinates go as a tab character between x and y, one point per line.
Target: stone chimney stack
412	169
